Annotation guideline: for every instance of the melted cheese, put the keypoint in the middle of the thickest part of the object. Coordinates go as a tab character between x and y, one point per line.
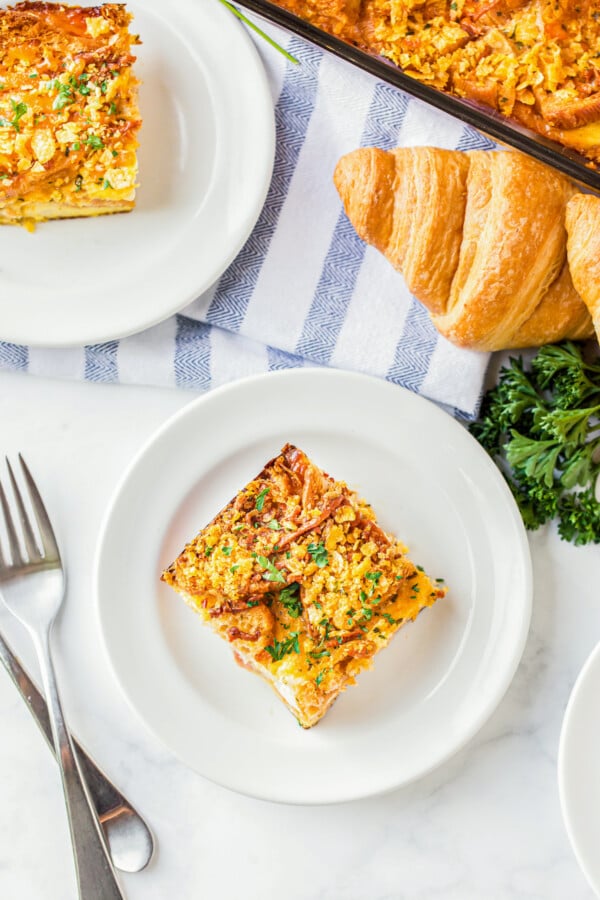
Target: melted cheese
298	576
68	111
536	61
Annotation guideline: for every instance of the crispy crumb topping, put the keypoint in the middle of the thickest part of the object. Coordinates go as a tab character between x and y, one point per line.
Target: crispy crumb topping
298	575
537	61
68	106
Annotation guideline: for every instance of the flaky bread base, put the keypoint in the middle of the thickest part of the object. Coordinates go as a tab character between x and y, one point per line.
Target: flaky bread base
40	212
305	717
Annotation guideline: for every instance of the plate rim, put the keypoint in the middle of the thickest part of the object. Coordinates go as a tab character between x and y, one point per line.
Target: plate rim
80	337
518	648
590	662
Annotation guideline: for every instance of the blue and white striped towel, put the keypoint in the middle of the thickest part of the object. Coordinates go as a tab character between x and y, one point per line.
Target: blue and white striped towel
304	290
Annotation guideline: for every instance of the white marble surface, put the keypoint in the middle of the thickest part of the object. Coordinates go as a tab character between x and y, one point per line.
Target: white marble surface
486	826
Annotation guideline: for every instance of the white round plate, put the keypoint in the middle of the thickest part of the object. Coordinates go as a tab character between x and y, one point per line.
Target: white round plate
579	769
206	157
429	483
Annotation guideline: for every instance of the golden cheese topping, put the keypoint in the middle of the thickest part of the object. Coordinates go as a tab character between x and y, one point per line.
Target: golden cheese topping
299	577
537	61
68	111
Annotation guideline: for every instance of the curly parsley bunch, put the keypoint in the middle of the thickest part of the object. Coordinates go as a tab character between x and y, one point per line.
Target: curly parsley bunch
542	427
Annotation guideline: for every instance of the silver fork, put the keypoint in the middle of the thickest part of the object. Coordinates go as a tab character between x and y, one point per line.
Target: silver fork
130	841
32	586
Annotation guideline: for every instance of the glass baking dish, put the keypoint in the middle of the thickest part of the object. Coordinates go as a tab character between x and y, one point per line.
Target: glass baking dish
488	121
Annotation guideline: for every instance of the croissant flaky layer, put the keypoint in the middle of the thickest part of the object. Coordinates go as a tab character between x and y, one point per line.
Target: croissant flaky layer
583	248
480	239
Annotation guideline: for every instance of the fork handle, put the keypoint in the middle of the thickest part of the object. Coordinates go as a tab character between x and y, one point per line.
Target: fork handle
112	808
96	877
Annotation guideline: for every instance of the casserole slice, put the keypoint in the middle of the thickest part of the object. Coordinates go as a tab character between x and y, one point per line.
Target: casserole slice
68	112
296	574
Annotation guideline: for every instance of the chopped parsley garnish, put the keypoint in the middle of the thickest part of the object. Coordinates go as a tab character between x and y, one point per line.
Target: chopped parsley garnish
106	184
64	96
319	554
208	550
290	598
373	576
76	145
271	573
103	87
19	110
78	182
391	619
226	551
321	676
278	649
274	525
80	85
260	500
326	624
112	109
234	568
93	141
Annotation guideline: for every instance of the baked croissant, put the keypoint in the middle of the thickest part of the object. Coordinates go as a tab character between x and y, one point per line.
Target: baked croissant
583	250
479	237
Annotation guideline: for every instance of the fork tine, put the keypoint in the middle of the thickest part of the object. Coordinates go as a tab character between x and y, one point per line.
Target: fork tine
46	530
13	543
30	541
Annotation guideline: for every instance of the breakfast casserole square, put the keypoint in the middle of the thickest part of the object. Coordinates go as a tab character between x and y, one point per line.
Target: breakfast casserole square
69	115
296	574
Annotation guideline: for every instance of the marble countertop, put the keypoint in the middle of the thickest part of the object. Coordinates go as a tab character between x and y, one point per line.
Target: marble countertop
485	826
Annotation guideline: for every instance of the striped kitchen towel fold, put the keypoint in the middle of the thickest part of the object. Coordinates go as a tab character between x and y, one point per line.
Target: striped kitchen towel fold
304	290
